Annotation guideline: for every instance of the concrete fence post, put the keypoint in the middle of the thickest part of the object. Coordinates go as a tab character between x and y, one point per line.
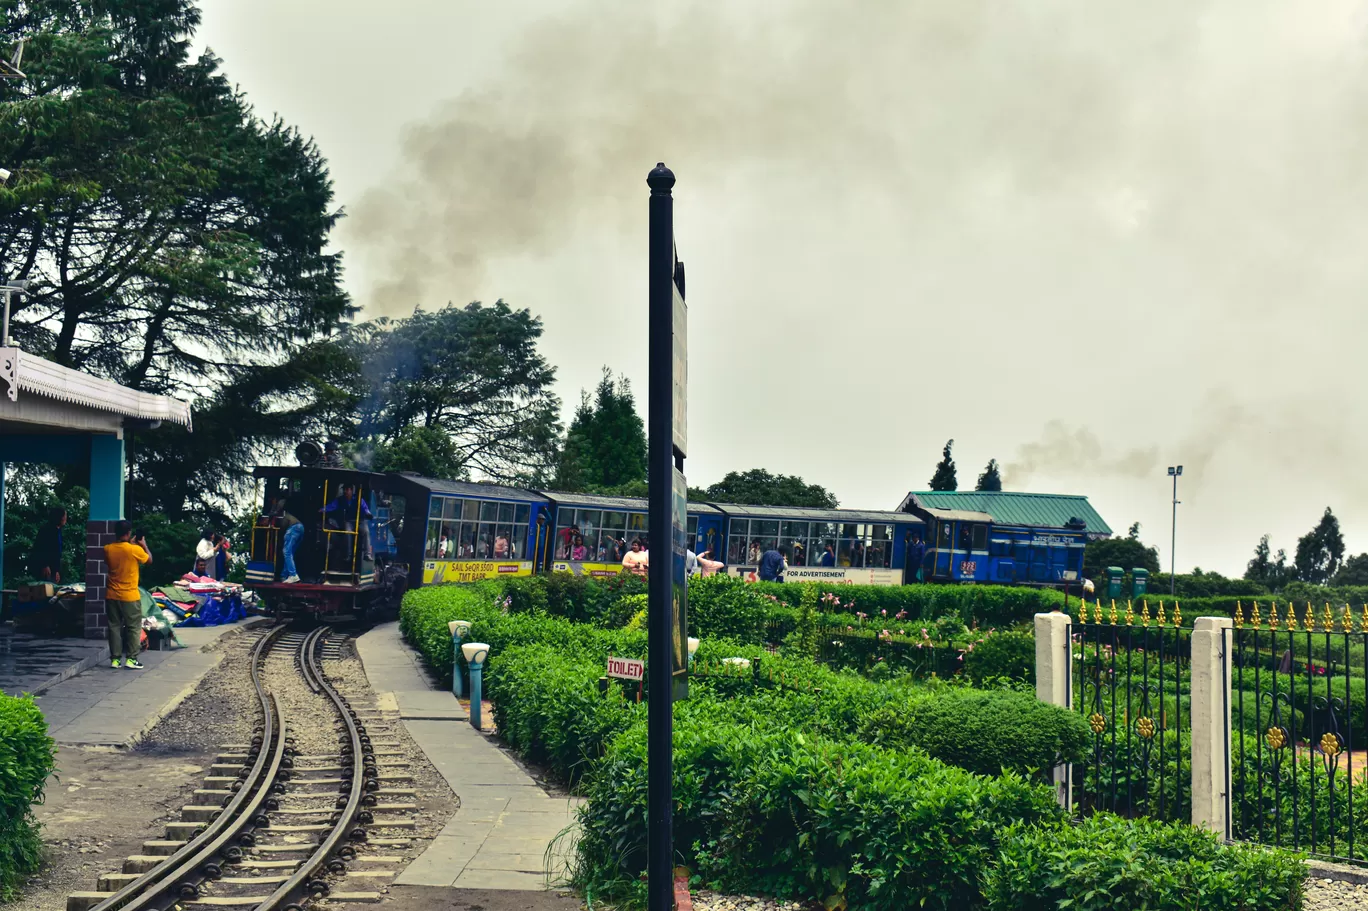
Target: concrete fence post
1054	682
1211	641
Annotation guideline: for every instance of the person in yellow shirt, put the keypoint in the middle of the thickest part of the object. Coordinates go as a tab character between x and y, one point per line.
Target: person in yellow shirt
123	603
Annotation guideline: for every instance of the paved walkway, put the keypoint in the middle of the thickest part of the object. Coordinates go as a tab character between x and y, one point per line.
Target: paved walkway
115	708
503	835
31	663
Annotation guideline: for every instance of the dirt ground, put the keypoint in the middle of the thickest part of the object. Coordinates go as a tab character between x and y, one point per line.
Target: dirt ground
101	806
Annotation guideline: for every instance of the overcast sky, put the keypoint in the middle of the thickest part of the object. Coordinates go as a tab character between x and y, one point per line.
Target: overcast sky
1090	240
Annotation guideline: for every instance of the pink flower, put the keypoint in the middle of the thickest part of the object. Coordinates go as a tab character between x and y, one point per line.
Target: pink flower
850	629
900	615
884	612
925	634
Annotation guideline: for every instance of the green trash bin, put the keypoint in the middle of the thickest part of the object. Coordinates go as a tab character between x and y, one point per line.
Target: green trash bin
1140	585
1115	580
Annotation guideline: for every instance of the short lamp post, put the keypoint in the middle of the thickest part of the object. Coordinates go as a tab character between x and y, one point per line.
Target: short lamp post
475	655
459	630
693	647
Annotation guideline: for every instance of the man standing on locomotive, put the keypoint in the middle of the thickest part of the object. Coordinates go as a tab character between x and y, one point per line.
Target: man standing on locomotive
294	530
341	513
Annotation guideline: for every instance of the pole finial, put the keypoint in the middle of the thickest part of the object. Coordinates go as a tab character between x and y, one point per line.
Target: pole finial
660	180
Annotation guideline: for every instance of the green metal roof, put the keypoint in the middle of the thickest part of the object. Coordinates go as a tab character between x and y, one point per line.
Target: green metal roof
1044	510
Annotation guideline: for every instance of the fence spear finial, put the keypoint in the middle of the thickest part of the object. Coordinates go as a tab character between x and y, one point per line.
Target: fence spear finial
1347	620
1291	615
1254	619
1329	618
1273	616
1239	615
1177	614
1162	618
1363	624
1144	614
1130	613
1113	612
1310	622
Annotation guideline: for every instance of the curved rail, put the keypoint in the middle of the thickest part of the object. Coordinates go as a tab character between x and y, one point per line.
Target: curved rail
362	756
189	866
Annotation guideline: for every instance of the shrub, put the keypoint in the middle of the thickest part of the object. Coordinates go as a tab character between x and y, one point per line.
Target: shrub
1009	654
727	608
805	817
1112	863
623	611
26	761
983	731
548	707
988	605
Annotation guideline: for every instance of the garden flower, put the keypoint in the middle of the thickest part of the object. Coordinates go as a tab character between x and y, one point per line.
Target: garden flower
900	615
884	612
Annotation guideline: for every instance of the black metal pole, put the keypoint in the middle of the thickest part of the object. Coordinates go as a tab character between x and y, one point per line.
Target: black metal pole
660	614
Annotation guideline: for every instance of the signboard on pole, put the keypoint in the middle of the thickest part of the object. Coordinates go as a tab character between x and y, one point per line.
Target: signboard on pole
679	550
679	421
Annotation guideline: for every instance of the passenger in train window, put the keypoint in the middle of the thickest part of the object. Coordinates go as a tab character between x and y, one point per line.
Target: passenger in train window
444	545
578	551
755	552
828	555
799	554
500	547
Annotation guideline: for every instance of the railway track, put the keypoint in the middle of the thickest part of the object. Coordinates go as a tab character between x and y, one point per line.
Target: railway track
272	828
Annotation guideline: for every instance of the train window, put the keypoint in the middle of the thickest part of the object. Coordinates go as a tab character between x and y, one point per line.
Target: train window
522	515
615	520
843	553
943	535
435	508
489	511
739	534
636	523
506	512
505	544
451	509
794	529
470	510
433	534
980	537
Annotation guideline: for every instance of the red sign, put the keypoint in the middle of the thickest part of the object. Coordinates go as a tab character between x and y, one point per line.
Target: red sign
626	668
967	567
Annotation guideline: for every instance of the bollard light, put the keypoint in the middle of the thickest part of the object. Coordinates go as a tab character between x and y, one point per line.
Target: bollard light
459	630
475	654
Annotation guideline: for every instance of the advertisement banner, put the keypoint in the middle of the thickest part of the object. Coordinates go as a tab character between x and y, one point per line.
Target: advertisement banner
835	574
436	572
595	570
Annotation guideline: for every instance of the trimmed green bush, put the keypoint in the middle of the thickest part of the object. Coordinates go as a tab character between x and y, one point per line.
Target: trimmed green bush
805	817
26	761
988	605
1112	864
1002	654
984	731
727	608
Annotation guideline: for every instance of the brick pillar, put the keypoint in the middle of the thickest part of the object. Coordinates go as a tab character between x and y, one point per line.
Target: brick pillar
99	532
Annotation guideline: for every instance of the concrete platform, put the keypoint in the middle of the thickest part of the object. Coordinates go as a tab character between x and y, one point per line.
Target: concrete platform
509	834
104	707
33	664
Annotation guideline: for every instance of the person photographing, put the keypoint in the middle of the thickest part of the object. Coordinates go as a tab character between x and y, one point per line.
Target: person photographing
123	602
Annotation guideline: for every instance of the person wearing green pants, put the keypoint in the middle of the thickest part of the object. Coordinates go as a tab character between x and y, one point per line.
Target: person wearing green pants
123	602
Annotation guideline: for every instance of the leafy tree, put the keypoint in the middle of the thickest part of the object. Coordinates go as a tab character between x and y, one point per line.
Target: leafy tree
605	448
760	488
944	478
1267	569
1320	551
426	450
1353	572
1134	533
472	373
1128	553
991	479
175	241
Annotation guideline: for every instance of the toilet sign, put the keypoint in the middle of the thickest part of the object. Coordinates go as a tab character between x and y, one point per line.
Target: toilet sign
626	668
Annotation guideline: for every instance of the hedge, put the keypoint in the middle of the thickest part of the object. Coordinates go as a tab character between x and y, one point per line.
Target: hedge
987	605
804	817
26	761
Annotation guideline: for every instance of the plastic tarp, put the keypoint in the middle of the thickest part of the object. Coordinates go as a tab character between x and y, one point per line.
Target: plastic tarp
218	610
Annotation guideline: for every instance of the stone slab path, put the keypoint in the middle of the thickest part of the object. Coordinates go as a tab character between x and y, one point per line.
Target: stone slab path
509	834
104	707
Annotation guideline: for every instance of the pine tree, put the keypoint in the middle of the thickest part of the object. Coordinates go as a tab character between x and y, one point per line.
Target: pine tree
944	478
605	448
1260	569
1134	533
991	479
1320	551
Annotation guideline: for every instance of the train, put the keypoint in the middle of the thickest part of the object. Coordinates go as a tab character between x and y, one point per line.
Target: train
368	537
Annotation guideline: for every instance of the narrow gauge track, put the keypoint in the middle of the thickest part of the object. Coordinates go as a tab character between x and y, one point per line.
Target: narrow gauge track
205	870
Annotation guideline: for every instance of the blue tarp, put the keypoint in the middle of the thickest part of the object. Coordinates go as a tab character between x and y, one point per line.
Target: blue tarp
217	610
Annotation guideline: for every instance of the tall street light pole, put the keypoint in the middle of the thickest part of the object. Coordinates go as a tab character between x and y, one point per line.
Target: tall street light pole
1175	473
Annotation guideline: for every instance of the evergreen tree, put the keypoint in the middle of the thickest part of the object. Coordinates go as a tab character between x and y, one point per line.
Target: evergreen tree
1320	551
605	447
944	478
991	479
175	242
1260	568
1353	572
1134	533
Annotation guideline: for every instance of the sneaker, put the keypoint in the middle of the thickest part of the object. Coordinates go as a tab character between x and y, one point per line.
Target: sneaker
115	662
133	663
290	581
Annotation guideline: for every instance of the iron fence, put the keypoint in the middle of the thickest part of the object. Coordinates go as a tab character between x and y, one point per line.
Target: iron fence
1298	732
1131	681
